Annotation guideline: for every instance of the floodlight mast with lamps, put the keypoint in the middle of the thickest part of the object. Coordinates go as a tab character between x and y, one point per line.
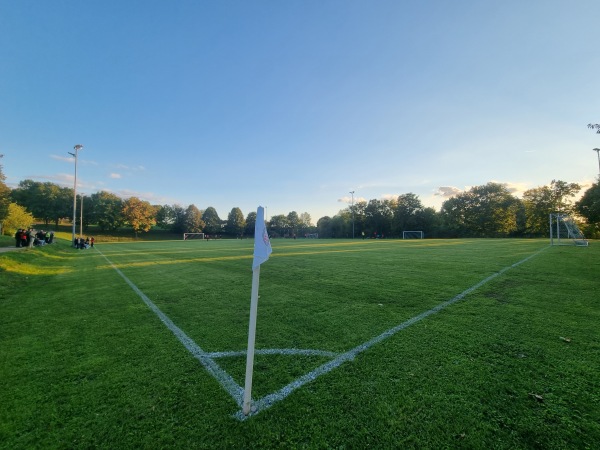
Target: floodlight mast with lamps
597	150
352	193
76	148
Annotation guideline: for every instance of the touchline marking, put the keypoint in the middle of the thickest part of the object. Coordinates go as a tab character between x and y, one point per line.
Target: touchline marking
261	404
224	379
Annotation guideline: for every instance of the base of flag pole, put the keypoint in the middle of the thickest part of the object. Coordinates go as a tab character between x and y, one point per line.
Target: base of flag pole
250	409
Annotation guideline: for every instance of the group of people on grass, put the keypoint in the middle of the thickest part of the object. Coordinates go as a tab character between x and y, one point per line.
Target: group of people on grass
29	237
82	244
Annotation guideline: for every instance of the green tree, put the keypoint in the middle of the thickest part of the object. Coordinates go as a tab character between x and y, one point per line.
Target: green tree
278	226
4	196
250	223
212	221
305	224
588	207
359	217
407	212
17	217
106	210
139	214
542	201
165	218
46	201
595	126
379	215
429	222
88	206
340	225
171	217
235	223
483	211
324	227
294	223
193	220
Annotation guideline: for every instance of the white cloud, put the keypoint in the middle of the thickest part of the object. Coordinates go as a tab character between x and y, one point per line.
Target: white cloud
71	159
348	199
150	197
447	191
516	188
63	158
115	176
139	168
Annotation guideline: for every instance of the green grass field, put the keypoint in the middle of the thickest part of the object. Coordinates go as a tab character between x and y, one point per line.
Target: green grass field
509	363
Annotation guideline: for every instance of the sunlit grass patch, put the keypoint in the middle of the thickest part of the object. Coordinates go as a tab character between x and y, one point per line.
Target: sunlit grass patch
32	262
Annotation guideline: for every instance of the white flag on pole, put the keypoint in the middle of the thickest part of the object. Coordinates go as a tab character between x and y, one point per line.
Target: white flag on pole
262	250
262	245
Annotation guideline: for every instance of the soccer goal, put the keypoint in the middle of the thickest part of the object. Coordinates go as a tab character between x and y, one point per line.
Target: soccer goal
413	235
564	231
190	236
312	235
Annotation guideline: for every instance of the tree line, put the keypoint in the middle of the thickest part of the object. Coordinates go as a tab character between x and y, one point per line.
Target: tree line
52	204
489	210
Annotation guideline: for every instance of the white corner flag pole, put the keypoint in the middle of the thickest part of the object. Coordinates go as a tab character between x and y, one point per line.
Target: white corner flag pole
262	250
251	339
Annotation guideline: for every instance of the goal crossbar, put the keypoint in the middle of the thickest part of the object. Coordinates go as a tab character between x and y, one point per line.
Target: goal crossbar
190	236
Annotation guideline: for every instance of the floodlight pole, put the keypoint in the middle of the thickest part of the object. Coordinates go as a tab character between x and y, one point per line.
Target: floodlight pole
352	193
76	148
81	217
597	150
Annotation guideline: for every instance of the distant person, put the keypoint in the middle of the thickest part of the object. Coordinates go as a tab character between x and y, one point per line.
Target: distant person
92	242
18	238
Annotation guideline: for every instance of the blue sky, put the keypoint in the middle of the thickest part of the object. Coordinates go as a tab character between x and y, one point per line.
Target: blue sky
293	104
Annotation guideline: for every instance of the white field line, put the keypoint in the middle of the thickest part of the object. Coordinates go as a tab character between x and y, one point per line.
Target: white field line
269	400
237	392
224	379
275	351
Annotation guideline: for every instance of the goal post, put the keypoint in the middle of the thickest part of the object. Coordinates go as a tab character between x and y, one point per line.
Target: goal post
191	236
413	235
564	231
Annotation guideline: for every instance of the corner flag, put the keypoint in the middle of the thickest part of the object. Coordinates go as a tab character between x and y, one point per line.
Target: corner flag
262	245
262	250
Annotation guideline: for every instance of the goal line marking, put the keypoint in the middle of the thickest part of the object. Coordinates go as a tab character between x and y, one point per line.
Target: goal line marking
269	400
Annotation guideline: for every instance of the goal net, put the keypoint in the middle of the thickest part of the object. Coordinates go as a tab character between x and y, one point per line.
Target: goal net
564	231
190	236
412	235
312	235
